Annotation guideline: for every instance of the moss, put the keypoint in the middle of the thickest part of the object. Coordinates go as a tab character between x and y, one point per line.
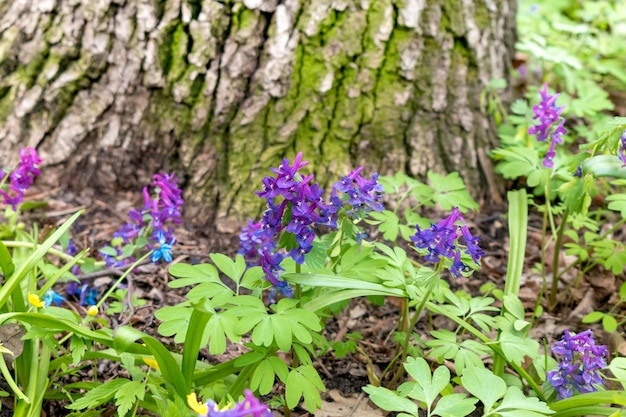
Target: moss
179	48
7	98
32	70
52	60
165	46
246	18
452	17
482	17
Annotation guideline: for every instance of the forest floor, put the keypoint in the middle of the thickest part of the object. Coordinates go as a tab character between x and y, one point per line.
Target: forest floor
343	377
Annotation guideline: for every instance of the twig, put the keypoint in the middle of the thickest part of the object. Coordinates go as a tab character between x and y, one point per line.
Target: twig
356	404
105	272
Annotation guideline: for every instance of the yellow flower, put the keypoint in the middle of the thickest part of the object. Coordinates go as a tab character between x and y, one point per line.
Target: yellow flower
196	405
34	300
151	363
92	311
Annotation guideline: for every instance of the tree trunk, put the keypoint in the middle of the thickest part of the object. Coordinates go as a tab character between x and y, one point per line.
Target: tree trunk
110	91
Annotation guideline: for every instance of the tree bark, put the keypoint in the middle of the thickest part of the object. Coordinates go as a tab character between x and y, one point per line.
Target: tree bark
111	91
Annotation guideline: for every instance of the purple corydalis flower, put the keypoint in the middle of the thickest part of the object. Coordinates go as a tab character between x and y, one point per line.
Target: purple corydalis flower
22	177
621	150
580	364
547	114
441	240
362	194
163	206
294	205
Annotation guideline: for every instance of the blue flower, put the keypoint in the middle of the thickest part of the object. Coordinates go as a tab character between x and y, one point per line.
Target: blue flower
163	249
88	295
51	297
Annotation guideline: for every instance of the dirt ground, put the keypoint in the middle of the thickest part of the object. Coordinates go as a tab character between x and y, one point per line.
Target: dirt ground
345	377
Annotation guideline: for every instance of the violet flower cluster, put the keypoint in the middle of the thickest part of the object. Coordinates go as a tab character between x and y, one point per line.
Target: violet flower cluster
248	407
160	208
21	178
547	114
442	240
295	205
361	194
580	364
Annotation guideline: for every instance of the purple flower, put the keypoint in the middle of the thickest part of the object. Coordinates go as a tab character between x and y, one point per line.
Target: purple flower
442	240
248	407
294	205
621	150
161	207
547	114
22	177
362	194
580	364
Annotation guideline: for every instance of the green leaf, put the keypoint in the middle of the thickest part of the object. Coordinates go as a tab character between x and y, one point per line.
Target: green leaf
6	262
390	400
253	278
108	250
282	332
609	323
454	405
35	257
304	381
513	305
169	368
516	404
125	398
484	385
388	223
425	387
515	348
618	368
78	349
232	269
593	317
450	192
216	327
263	333
262	379
279	367
605	166
193	274
99	395
333	281
293	389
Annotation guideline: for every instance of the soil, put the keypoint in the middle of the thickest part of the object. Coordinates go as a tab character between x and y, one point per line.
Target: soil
343	377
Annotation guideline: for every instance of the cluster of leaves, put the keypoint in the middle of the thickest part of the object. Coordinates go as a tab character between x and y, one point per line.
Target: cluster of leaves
577	46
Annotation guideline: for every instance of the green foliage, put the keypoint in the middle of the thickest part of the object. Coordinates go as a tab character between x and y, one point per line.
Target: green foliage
490	389
447	191
425	388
